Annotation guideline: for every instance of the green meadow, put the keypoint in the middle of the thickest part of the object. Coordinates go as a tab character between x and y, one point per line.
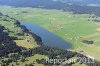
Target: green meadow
71	27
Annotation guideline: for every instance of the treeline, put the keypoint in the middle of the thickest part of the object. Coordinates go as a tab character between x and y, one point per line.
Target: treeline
55	53
50	4
77	9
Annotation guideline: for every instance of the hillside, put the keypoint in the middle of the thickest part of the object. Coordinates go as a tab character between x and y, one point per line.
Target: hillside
64	24
14	53
70	36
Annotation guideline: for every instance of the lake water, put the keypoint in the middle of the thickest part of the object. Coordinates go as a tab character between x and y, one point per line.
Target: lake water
48	38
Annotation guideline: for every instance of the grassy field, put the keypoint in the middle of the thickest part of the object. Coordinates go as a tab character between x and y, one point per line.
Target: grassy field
67	25
26	44
31	59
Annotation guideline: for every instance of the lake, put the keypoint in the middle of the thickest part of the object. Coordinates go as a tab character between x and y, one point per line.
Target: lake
47	37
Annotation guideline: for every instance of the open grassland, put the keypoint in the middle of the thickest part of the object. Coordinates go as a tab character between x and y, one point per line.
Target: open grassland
67	25
31	59
26	44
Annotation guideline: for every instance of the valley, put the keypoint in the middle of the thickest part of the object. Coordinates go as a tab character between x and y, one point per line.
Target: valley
49	33
21	47
67	25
